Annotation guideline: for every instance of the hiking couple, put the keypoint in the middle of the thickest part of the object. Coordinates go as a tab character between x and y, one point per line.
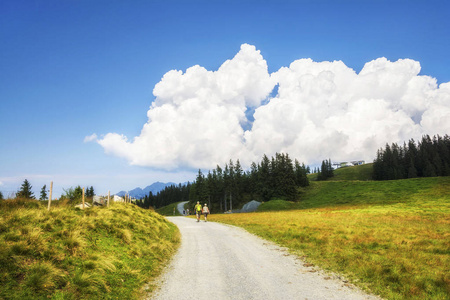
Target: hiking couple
199	210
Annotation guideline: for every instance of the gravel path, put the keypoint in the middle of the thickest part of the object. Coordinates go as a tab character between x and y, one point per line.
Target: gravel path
180	206
217	261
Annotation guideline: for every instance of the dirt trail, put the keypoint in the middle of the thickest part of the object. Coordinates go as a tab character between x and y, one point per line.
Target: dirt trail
217	261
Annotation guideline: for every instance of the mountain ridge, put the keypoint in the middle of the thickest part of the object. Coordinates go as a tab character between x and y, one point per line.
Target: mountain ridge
139	193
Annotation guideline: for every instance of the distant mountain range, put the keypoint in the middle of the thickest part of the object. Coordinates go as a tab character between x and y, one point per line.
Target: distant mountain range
139	193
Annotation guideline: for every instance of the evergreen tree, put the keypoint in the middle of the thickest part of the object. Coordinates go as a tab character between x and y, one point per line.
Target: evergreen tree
89	192
220	192
284	177
77	193
1	196
253	180
301	174
231	183
25	191
202	188
326	170
44	192
412	171
239	178
264	179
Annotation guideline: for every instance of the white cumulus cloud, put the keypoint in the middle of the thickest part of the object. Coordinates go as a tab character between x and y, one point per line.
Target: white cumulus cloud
321	110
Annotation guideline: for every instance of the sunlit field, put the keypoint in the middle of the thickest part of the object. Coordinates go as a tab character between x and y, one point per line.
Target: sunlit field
68	253
390	237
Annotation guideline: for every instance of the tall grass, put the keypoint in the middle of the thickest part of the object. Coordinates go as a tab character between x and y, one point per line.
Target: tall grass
69	253
392	237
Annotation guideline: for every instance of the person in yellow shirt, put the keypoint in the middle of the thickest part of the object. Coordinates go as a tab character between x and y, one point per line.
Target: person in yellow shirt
198	210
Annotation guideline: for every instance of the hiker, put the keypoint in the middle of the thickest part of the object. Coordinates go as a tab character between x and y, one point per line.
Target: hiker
198	210
205	211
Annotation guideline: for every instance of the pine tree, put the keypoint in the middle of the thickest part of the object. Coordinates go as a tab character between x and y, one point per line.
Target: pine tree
89	192
264	179
253	180
202	189
77	193
239	180
1	195
25	191
301	177
44	193
286	177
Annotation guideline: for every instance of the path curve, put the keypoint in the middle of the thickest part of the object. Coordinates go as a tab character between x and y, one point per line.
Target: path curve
180	206
217	261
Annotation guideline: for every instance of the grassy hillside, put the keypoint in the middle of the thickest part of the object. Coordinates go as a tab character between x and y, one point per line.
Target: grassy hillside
362	172
417	191
69	253
392	237
169	210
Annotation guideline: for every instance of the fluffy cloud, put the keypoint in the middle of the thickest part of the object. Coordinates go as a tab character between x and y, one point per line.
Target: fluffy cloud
321	110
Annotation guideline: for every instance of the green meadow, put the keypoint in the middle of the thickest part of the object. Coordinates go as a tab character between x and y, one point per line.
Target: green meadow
68	253
389	237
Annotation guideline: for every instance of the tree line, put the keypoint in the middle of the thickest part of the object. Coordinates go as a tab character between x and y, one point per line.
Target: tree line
225	188
228	187
428	157
170	194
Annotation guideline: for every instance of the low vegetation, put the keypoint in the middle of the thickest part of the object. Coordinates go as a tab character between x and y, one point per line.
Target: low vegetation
391	237
69	253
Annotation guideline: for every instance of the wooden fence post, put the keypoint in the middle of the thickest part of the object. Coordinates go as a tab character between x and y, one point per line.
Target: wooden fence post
108	197
50	198
83	198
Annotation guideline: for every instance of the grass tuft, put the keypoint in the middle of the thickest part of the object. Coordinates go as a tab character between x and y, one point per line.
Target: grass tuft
44	277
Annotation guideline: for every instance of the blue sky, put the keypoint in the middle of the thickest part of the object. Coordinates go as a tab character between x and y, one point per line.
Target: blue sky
73	68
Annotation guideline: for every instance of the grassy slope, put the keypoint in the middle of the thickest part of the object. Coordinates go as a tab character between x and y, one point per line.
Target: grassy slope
68	253
392	237
169	209
362	172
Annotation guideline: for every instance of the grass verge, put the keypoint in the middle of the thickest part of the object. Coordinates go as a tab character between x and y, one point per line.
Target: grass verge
68	253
